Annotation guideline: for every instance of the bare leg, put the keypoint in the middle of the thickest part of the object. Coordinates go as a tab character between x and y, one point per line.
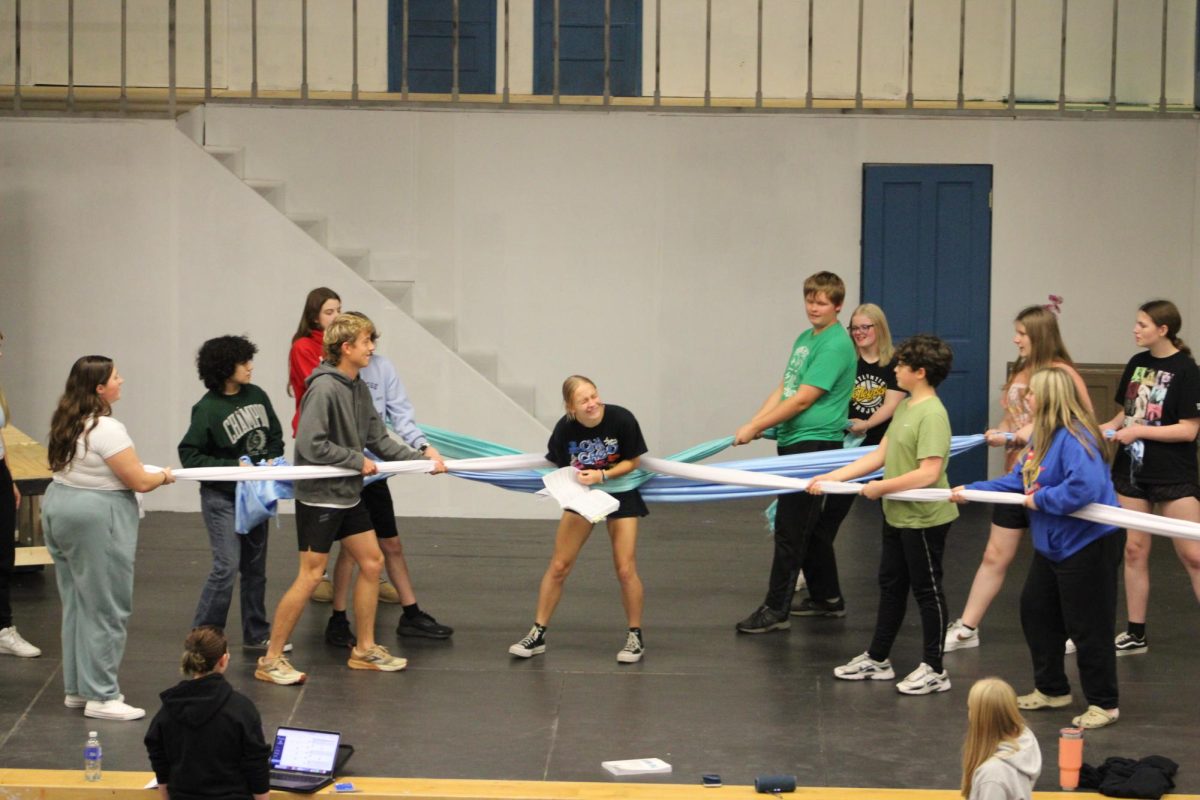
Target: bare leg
989	578
343	572
291	605
623	533
1188	550
573	531
1137	564
364	549
397	569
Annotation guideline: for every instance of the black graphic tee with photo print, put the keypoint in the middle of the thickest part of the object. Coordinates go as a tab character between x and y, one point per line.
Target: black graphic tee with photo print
1160	391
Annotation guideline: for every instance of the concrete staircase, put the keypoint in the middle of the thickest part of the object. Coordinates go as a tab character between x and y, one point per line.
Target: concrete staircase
379	274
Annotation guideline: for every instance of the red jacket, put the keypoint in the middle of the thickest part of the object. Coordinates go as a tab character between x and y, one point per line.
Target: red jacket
304	358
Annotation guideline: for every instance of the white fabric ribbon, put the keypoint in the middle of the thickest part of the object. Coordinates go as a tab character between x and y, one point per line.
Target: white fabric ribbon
1105	515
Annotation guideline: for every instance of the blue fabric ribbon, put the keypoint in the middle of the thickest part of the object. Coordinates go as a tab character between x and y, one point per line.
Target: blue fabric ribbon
255	502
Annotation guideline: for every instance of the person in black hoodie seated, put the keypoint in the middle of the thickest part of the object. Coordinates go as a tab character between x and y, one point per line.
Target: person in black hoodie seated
206	742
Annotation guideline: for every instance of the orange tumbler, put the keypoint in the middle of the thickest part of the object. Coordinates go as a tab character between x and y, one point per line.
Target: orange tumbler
1070	757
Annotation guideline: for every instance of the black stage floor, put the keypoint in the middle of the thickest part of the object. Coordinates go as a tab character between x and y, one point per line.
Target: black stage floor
704	699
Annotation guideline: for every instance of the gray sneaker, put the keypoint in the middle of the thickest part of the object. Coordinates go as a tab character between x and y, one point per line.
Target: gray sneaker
764	620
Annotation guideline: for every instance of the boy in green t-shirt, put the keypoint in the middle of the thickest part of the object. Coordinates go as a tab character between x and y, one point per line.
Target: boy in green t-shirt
913	455
808	412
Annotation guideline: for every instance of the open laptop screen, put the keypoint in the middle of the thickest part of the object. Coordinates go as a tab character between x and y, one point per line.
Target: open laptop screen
305	751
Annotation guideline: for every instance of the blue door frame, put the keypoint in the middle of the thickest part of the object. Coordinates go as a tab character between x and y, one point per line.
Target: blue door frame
581	47
431	48
926	260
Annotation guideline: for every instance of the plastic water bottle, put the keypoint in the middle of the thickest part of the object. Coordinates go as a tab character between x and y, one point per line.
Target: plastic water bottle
92	756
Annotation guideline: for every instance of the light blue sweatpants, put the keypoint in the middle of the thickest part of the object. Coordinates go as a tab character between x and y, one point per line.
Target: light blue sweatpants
92	536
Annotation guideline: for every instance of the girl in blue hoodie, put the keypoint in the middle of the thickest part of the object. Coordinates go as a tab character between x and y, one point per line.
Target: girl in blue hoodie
1071	588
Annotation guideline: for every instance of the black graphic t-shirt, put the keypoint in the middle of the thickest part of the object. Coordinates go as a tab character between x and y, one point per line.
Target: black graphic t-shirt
871	386
617	438
1159	391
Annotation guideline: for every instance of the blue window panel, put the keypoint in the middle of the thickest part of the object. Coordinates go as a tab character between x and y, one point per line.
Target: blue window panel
581	47
431	46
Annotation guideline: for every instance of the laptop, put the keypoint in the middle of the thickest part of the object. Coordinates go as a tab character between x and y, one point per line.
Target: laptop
303	760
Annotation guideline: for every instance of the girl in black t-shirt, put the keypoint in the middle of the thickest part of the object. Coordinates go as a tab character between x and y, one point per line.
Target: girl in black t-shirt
1155	469
602	442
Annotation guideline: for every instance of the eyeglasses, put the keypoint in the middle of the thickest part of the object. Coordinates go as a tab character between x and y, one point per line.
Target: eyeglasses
861	328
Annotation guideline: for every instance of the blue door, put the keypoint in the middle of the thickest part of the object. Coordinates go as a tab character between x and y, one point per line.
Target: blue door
926	260
581	47
431	46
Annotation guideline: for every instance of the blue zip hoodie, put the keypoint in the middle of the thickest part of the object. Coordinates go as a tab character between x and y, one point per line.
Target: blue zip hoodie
1069	479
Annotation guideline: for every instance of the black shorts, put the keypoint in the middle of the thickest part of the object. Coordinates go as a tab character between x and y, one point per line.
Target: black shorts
318	527
1006	516
1154	492
632	505
378	499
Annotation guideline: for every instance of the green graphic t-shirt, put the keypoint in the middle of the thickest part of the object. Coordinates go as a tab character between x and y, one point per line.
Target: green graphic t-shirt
826	361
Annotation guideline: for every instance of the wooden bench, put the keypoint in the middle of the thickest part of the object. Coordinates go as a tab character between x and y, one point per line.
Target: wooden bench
30	466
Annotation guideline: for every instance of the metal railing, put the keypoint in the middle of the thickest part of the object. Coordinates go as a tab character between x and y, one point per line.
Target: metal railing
656	101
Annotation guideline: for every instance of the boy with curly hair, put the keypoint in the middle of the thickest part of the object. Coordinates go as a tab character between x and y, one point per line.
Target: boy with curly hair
913	455
233	419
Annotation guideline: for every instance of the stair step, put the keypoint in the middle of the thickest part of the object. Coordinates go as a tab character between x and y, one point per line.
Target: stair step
315	225
232	158
398	292
356	258
485	362
523	394
272	191
444	328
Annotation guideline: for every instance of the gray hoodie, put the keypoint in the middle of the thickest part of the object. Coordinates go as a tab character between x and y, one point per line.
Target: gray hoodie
1011	773
337	422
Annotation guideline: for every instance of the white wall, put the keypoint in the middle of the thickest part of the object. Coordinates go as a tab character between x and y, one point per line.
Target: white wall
785	27
125	238
663	254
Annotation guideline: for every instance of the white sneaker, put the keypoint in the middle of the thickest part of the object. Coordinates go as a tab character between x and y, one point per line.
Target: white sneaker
1070	647
960	637
14	644
75	701
923	680
112	709
862	667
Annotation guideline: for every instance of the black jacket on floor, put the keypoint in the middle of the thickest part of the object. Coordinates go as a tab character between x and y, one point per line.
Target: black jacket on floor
1150	777
206	742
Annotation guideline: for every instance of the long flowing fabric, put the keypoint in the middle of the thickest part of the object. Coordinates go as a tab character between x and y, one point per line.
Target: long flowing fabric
678	479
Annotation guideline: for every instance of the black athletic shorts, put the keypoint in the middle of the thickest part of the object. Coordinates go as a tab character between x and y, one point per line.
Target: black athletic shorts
378	499
1014	517
318	527
1154	492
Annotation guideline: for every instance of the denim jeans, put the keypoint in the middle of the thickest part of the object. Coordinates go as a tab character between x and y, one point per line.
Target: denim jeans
233	552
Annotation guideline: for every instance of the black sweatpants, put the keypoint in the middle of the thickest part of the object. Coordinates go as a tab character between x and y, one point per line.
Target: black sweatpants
8	548
796	518
1076	598
820	562
911	558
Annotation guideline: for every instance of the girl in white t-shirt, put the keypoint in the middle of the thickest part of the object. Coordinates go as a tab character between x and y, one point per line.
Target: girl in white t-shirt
90	522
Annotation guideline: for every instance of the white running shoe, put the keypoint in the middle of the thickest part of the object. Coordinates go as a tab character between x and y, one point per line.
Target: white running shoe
923	680
116	709
862	667
960	637
14	644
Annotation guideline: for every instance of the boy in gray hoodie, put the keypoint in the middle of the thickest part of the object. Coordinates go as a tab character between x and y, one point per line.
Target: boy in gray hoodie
337	422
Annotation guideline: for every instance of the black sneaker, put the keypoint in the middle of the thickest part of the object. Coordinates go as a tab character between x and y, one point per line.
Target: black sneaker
764	620
633	650
819	608
338	633
534	644
1129	645
422	624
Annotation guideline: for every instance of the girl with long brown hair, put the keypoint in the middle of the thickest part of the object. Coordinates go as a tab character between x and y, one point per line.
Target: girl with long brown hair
90	522
1155	470
1039	345
321	306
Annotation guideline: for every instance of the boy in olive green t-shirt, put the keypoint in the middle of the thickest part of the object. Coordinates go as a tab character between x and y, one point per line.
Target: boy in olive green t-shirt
913	454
